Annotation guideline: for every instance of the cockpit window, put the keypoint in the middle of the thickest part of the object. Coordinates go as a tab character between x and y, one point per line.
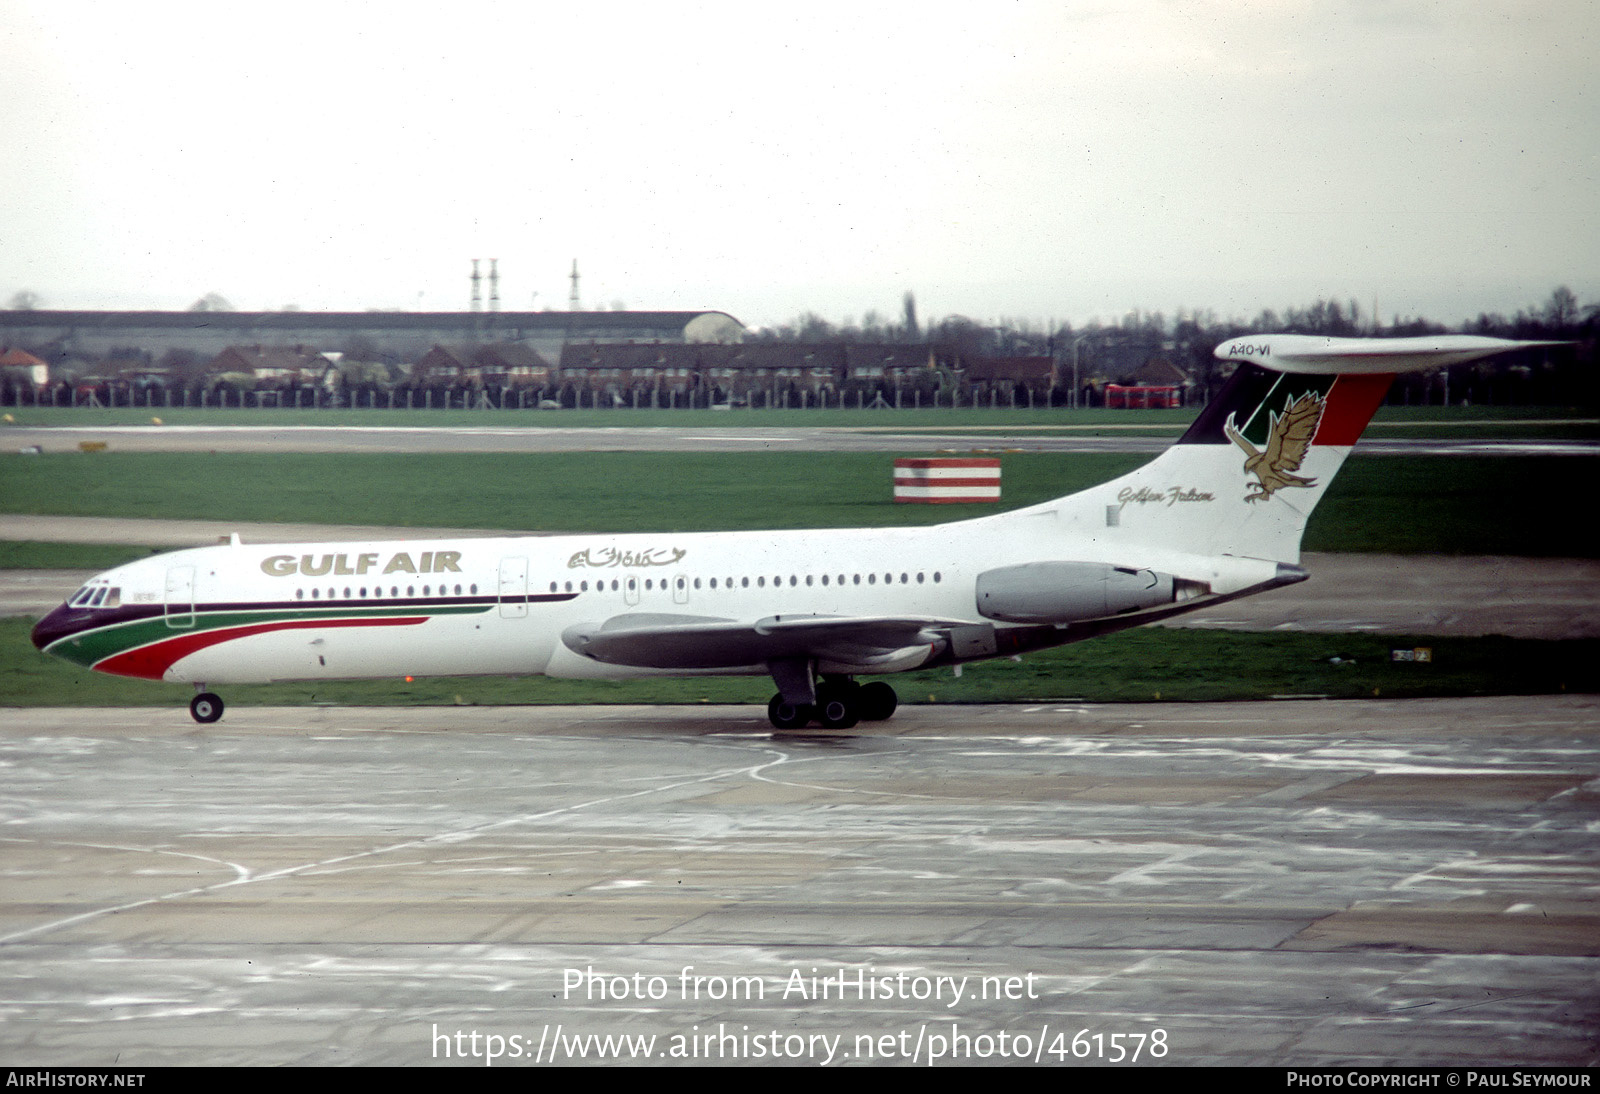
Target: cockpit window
96	596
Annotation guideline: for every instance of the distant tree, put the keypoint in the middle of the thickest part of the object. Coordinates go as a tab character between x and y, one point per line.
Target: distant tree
1561	311
811	327
909	330
959	336
26	300
211	301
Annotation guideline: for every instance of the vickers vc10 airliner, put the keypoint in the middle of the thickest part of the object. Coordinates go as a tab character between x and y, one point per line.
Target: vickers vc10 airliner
1219	515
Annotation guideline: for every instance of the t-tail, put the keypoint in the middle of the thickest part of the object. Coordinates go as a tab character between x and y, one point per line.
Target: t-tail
1244	478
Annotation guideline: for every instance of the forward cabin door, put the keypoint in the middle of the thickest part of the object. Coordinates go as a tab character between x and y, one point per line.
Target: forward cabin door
180	596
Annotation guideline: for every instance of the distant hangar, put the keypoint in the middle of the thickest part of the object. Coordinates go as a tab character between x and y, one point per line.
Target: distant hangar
55	334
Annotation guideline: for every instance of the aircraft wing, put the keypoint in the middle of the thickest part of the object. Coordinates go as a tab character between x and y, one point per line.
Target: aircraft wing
657	641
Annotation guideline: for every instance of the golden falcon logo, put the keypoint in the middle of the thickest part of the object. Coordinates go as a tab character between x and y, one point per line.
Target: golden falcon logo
1288	439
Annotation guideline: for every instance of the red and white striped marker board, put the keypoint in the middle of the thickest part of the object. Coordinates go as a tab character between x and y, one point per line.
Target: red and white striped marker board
941	481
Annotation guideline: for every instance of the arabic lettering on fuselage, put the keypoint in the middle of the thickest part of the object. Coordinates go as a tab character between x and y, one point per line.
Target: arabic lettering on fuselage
603	557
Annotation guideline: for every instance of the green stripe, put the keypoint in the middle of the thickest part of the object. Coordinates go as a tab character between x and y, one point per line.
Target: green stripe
1290	386
90	647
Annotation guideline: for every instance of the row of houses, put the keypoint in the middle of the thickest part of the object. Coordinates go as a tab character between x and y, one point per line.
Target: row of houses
649	374
684	370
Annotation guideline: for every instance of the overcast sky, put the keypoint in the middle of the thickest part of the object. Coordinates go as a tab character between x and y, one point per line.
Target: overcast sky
1048	161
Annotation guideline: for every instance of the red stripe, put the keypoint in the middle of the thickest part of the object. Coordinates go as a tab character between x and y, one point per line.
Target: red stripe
152	662
944	499
989	462
1351	403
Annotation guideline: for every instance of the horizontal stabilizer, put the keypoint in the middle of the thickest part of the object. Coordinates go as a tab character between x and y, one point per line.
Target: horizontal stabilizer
1305	353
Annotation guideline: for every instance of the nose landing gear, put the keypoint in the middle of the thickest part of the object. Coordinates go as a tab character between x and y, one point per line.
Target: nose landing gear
205	708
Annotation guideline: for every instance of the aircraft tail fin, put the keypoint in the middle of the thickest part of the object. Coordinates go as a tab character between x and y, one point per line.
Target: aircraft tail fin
1245	477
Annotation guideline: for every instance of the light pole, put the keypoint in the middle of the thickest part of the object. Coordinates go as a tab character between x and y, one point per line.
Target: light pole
1075	388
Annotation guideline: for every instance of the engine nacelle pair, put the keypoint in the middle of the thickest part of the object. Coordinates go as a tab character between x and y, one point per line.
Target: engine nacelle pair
1064	592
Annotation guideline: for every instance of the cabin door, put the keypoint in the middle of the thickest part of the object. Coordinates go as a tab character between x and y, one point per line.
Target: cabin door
180	596
514	588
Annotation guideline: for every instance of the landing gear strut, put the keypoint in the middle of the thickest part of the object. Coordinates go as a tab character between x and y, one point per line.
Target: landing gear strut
833	702
205	708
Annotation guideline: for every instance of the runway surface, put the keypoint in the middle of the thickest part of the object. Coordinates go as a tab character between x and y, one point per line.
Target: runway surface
1268	883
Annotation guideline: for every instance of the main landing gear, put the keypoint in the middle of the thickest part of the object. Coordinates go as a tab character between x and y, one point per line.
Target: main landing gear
205	708
840	703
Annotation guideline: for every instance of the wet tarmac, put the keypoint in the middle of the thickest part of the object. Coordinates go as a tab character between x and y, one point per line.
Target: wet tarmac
1407	882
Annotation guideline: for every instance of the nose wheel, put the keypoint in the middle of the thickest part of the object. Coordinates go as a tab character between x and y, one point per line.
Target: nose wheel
205	708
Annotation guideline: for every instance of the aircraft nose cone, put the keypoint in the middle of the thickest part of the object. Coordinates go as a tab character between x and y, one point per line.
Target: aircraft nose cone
55	626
